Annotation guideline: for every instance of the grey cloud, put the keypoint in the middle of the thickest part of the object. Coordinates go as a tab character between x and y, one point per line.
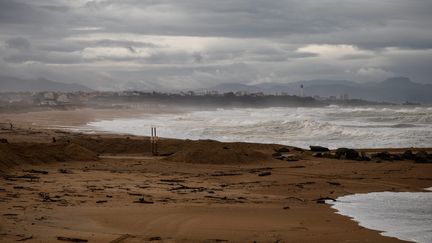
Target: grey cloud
49	58
259	37
19	43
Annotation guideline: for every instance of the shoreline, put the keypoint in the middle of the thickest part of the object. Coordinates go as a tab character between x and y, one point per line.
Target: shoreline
245	198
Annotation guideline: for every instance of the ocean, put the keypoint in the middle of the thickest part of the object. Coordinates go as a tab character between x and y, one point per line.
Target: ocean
404	215
332	126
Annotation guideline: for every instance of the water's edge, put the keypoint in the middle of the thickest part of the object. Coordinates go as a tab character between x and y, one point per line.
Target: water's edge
403	215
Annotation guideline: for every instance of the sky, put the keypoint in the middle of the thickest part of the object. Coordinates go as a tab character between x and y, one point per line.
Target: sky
186	44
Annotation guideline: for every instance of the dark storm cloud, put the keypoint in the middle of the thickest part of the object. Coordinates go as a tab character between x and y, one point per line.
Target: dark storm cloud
282	40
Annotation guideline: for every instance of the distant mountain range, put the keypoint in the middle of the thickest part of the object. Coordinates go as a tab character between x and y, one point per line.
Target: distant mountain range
12	84
398	89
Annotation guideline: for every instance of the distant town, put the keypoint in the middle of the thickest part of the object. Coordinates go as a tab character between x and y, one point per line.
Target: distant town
22	100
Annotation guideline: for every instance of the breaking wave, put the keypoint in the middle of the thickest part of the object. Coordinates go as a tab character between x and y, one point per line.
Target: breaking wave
331	126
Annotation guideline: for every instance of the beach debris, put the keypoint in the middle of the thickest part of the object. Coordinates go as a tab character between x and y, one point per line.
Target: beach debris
54	140
318	149
192	189
322	200
26	238
47	198
3	140
155	238
295	199
101	201
172	180
26	176
333	183
142	200
71	239
297	166
222	173
286	207
65	171
216	240
267	173
36	171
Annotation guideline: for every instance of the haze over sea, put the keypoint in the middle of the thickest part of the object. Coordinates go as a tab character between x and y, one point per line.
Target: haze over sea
332	126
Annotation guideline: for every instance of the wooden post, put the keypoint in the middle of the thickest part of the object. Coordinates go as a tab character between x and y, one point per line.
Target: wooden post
156	140
153	141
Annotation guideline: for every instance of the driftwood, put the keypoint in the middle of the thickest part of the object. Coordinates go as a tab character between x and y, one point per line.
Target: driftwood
36	171
62	238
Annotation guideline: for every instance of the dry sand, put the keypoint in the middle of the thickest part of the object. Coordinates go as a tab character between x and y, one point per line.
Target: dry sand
109	188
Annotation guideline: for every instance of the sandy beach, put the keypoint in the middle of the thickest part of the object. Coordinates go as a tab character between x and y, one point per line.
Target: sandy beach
110	188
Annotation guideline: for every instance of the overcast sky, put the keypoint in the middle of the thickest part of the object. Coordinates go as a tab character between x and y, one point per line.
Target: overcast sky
110	44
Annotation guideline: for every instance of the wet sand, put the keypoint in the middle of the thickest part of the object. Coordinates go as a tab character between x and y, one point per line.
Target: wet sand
109	188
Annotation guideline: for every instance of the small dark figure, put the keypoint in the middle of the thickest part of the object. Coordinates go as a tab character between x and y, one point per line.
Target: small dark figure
54	139
11	125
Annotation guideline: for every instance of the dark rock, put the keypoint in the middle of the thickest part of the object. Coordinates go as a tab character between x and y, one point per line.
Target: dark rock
318	149
408	155
422	157
382	156
328	156
395	157
346	153
3	140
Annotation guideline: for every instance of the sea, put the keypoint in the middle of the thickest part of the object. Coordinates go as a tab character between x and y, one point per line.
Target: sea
405	215
331	126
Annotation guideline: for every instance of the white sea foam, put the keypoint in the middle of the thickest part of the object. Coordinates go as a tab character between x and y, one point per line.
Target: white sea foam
404	215
331	126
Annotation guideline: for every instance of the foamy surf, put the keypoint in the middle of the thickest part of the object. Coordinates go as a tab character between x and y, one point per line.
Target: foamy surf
404	215
333	126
